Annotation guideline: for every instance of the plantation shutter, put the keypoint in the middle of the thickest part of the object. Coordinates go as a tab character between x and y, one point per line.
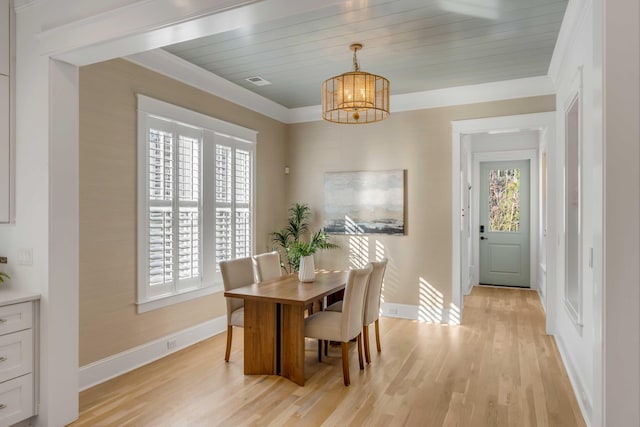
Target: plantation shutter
188	207
174	164
194	201
233	199
160	220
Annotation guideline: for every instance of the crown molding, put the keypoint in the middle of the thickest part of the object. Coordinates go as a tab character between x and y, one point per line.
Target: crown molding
460	95
574	16
172	66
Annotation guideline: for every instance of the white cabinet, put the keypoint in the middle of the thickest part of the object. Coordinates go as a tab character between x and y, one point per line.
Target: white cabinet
5	151
6	115
18	341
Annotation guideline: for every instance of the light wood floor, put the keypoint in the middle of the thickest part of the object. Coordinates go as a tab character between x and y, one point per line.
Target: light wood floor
497	369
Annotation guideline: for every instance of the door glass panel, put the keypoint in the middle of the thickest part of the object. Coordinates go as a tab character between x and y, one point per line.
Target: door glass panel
504	200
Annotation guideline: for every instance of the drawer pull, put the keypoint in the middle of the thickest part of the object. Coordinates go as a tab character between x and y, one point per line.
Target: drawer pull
2	406
3	359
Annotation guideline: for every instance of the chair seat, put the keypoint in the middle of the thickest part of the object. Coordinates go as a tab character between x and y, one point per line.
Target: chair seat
336	306
237	318
325	325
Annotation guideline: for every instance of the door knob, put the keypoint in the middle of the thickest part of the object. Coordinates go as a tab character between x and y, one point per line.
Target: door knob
484	238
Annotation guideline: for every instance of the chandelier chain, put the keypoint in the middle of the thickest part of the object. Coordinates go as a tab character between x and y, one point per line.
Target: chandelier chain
356	66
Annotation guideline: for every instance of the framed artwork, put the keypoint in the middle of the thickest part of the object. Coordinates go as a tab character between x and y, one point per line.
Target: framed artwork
366	202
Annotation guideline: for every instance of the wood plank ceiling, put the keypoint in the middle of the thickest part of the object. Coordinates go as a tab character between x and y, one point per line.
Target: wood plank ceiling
417	44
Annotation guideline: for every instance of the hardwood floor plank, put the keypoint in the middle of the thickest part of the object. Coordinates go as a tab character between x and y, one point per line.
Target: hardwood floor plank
498	368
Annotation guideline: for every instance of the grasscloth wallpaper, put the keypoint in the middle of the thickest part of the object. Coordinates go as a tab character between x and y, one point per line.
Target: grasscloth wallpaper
419	142
419	271
109	323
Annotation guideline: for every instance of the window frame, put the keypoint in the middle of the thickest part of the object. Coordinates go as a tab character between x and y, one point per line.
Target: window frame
211	129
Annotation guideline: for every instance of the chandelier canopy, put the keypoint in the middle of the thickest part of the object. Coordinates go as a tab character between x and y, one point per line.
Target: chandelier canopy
355	97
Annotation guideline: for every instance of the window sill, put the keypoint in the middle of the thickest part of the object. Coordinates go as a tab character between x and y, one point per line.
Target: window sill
165	301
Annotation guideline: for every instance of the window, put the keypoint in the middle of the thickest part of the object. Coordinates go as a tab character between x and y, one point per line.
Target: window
504	200
195	205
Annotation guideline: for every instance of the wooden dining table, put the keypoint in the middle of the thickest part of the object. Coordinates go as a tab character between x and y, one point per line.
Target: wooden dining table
274	321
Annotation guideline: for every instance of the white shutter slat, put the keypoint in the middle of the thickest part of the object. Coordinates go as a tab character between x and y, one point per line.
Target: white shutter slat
189	153
160	245
160	165
223	174
242	176
224	243
243	233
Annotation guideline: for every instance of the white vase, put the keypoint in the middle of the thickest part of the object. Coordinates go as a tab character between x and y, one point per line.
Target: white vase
307	272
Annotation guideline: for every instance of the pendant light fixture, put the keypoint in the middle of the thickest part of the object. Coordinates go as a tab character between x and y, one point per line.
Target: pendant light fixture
355	97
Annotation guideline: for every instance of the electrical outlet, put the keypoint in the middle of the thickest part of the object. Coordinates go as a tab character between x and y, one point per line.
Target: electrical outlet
171	344
3	259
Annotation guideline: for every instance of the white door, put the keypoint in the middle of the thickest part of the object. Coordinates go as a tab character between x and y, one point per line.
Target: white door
504	223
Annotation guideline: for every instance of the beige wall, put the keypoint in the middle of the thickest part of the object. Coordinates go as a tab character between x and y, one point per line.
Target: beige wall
420	143
109	323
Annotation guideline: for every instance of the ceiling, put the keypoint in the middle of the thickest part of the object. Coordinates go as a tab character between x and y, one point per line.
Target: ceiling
418	45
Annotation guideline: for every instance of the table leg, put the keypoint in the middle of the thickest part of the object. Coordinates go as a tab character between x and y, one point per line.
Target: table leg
260	337
292	343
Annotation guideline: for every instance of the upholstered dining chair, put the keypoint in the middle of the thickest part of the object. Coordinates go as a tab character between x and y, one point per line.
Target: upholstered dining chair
345	325
235	273
371	307
267	266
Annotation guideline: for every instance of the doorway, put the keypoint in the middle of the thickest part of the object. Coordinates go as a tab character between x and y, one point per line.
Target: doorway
504	223
542	250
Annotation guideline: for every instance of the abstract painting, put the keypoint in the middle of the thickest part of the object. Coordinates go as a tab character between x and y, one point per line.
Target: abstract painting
369	202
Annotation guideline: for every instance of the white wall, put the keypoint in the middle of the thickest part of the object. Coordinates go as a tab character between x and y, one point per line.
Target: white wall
543	147
576	341
520	140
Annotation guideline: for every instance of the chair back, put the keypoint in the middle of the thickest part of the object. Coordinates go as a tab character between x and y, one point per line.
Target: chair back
236	273
268	266
372	304
353	303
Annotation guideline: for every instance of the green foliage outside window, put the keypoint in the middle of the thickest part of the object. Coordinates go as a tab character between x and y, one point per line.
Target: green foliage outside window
504	200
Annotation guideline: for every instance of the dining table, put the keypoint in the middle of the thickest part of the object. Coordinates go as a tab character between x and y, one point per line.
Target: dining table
274	312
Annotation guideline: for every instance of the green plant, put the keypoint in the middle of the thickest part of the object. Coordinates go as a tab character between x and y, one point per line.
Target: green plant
4	276
290	237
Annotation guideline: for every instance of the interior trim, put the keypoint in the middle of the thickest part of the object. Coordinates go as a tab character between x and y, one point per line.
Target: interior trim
121	363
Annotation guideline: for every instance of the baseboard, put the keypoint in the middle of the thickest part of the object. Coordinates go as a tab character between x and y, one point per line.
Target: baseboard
423	313
118	364
584	401
542	283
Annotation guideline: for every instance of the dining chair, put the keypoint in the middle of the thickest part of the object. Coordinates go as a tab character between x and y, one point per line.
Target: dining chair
235	273
267	266
371	307
345	325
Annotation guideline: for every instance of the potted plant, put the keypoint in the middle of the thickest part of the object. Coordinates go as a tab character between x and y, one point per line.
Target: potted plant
290	240
301	254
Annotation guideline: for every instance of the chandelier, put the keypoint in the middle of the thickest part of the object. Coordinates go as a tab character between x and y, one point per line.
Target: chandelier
355	97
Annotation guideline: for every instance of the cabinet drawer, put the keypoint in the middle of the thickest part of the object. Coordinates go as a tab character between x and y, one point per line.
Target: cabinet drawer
16	317
16	354
16	400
